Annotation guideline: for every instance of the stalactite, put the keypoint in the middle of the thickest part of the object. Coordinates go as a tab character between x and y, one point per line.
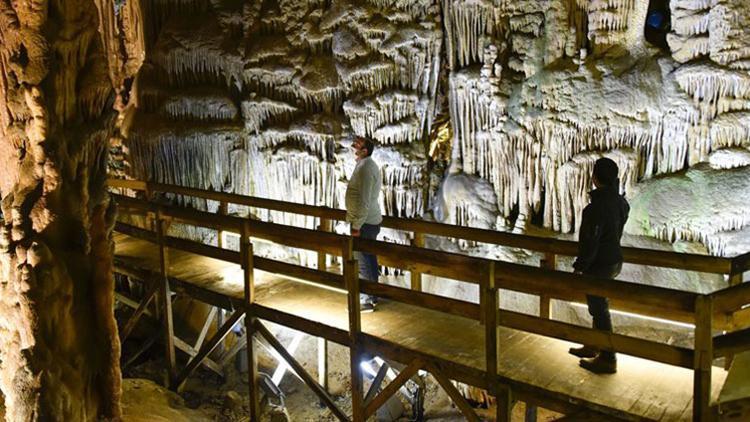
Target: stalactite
200	107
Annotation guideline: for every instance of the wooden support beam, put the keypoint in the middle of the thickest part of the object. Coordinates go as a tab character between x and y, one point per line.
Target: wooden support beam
489	304
373	405
127	328
325	226
142	349
132	303
208	347
351	277
549	262
530	413
416	276
252	369
223	207
424	300
206	325
703	359
237	347
166	303
734	280
192	352
248	271
453	393
376	383
323	362
505	403
300	370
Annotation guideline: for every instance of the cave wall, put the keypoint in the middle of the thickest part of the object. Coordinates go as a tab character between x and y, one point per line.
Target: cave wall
263	98
64	67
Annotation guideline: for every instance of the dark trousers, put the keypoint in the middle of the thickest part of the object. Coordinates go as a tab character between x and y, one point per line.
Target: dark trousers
599	306
368	263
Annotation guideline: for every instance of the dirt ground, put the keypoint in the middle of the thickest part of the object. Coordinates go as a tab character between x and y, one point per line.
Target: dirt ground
213	398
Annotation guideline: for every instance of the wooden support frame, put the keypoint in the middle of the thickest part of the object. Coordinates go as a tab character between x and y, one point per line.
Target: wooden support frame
142	349
192	352
453	393
376	383
151	292
378	400
207	348
300	370
705	310
703	359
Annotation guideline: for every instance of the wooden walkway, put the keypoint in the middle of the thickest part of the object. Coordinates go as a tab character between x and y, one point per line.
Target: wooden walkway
538	368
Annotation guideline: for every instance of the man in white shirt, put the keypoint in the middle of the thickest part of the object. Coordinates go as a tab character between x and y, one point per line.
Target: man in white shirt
363	211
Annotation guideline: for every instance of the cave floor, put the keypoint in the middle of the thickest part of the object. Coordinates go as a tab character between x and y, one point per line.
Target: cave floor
640	388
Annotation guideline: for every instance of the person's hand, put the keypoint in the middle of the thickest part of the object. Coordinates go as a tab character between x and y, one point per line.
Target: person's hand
355	232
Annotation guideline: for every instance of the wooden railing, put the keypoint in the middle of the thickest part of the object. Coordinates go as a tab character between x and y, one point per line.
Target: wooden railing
705	311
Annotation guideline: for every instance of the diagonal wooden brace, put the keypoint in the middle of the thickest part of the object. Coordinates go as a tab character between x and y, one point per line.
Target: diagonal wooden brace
127	328
297	368
207	348
394	386
457	398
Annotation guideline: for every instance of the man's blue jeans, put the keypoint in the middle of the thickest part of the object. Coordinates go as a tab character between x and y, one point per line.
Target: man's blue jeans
368	263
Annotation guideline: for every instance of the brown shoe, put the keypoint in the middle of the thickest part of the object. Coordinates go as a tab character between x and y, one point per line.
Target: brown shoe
599	365
584	352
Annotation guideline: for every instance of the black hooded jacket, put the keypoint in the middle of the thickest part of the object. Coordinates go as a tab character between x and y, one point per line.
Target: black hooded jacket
601	229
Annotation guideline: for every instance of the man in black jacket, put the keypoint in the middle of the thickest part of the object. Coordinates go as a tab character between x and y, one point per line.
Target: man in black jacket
599	255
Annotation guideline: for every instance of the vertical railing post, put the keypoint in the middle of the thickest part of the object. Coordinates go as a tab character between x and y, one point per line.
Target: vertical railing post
549	262
166	301
490	307
416	276
734	279
702	360
351	277
246	254
222	211
325	226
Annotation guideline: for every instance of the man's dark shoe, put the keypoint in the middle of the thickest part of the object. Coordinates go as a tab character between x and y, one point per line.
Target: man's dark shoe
584	352
599	365
366	307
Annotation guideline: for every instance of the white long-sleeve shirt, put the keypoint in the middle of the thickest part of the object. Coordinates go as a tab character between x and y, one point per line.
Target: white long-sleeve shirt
362	193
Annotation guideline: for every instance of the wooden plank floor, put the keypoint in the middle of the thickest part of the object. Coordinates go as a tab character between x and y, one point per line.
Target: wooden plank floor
640	387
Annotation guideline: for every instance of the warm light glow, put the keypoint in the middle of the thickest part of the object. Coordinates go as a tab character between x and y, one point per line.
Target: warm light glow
310	283
639	316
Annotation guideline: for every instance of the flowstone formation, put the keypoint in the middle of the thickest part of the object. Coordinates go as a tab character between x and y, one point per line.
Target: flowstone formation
263	98
540	90
64	68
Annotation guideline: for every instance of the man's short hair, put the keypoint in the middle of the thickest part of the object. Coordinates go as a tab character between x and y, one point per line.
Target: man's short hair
606	171
368	144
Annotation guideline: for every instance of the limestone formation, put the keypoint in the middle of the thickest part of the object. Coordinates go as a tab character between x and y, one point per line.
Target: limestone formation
66	68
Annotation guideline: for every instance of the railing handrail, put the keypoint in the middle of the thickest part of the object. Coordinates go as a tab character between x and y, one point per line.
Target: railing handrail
641	256
660	352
